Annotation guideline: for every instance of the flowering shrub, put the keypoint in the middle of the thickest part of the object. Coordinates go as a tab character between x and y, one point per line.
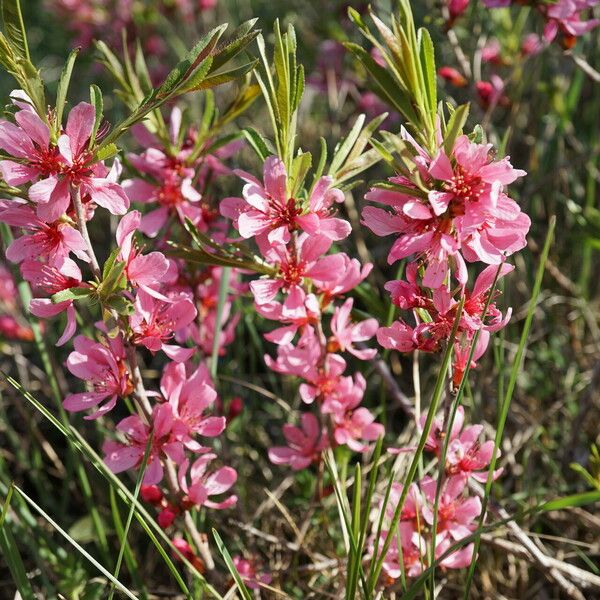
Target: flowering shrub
171	271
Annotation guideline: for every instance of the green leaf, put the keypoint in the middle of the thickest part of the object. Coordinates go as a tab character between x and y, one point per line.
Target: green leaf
385	86
194	58
74	293
12	19
257	143
571	501
194	82
300	166
427	56
112	282
14	562
343	150
120	304
63	87
240	39
77	547
141	69
106	152
455	127
219	78
148	523
223	291
110	261
98	104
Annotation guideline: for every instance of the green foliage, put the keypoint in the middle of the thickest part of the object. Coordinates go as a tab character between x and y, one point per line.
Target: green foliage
14	55
198	70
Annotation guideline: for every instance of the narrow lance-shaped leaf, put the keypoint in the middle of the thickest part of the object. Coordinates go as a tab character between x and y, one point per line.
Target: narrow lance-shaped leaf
63	88
14	27
98	104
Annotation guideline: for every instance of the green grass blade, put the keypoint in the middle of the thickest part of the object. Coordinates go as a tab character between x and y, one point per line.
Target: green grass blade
223	290
136	493
510	388
73	543
231	567
11	553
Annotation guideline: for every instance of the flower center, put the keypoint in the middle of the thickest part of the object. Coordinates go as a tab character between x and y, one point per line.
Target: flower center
466	187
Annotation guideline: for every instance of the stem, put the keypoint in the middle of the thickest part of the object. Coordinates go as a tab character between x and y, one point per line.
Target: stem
200	541
81	225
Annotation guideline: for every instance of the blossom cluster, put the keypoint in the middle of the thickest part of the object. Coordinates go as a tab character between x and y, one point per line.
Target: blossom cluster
450	210
446	208
294	235
564	18
457	508
151	303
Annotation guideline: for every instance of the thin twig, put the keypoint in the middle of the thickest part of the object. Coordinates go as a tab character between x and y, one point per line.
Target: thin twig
585	579
543	561
401	399
82	226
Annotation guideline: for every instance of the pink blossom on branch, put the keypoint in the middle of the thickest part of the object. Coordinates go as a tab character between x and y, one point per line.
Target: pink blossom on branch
145	271
201	486
154	323
121	457
77	169
103	368
464	215
50	280
189	397
52	241
267	210
346	333
305	444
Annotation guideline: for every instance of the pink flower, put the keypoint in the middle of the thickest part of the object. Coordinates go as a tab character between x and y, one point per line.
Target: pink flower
456	514
249	574
346	277
143	271
531	45
345	333
121	457
294	316
462	349
472	317
173	191
53	241
305	444
492	52
29	141
465	213
300	360
155	321
103	368
466	454
202	485
305	261
398	336
52	194
189	398
318	219
355	426
50	280
268	210
565	16
491	93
